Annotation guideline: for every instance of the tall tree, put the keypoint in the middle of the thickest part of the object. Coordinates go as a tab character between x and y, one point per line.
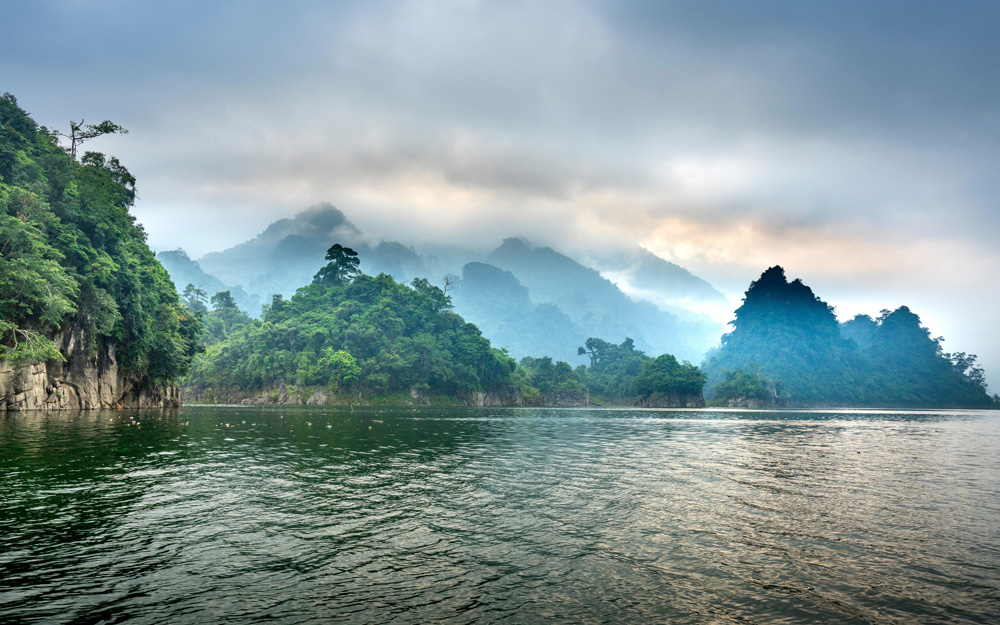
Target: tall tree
342	268
79	134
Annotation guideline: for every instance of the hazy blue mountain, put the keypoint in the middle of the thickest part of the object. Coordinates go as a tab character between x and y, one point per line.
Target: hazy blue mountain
494	300
184	271
598	306
786	334
290	251
644	275
548	302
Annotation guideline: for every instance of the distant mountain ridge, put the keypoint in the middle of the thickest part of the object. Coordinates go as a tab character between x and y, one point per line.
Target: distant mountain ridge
597	305
288	253
184	271
642	274
532	300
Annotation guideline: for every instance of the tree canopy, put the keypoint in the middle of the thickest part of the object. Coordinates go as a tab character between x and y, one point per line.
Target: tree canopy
784	337
368	336
342	268
72	258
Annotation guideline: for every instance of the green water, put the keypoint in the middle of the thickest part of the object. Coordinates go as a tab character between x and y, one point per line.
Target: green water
310	515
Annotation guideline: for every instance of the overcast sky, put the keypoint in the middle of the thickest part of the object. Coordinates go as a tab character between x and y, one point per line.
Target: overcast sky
854	143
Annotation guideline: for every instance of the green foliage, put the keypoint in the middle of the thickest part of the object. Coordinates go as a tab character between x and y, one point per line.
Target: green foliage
621	372
370	336
795	338
195	298
665	376
747	384
552	379
342	268
614	368
71	256
18	345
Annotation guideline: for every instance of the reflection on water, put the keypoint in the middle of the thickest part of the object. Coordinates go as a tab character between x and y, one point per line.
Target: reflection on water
301	515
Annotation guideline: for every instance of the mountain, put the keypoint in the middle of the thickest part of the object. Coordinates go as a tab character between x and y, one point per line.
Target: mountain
357	339
786	336
288	253
501	306
644	275
597	305
523	297
184	271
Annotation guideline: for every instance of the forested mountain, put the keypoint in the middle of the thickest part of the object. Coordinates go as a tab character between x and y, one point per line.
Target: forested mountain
501	307
81	294
285	256
597	306
349	337
364	336
563	304
786	345
184	271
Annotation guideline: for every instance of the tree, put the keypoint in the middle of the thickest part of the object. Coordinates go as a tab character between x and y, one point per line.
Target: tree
195	298
223	300
439	298
342	268
78	133
72	258
117	173
665	376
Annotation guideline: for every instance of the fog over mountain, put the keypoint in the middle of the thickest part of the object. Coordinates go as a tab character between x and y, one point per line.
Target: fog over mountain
532	300
853	143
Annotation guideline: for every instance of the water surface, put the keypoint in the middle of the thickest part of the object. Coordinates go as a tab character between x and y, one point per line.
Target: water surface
311	515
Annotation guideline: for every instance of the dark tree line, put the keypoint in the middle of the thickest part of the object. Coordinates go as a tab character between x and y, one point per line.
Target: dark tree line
786	345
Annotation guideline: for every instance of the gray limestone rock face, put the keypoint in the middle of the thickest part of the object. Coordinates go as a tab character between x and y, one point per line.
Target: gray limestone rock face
80	382
317	399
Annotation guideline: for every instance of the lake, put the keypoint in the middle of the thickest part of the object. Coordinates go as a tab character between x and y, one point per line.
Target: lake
402	515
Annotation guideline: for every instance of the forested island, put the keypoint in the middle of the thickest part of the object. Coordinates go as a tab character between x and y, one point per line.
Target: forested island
353	338
787	349
89	319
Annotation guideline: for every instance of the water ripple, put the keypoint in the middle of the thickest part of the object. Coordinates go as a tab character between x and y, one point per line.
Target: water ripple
238	515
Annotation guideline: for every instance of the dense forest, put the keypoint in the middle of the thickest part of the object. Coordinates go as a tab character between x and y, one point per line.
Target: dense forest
787	348
350	337
74	264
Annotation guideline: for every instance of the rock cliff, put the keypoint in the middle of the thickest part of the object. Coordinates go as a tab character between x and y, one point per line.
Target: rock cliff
81	382
659	400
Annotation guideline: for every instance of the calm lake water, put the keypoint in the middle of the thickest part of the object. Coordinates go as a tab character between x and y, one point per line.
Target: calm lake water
311	515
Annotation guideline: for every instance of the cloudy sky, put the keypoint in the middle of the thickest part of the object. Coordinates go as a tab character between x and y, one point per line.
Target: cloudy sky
855	143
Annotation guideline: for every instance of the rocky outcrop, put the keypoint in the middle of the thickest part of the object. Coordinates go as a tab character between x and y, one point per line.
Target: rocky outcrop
494	399
81	382
317	399
757	403
660	400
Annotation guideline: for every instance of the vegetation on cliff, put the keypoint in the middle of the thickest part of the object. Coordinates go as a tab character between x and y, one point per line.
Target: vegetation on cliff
787	346
73	258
